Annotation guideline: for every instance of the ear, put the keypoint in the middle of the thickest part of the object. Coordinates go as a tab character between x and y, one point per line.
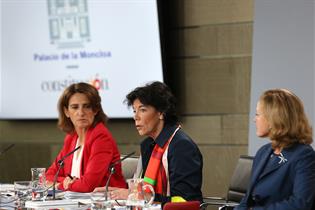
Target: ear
66	111
95	112
161	116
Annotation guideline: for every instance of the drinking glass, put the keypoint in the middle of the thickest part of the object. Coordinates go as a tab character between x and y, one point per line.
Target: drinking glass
39	191
140	195
23	191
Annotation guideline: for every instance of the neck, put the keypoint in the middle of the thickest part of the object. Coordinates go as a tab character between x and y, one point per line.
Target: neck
277	150
157	131
81	135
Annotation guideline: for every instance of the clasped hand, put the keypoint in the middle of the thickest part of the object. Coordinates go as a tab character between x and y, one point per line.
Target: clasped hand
115	193
67	181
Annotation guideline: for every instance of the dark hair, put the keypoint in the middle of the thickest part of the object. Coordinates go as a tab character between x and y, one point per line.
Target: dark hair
285	114
157	95
64	123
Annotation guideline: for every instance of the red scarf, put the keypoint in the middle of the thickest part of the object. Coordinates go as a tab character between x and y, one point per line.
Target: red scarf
155	174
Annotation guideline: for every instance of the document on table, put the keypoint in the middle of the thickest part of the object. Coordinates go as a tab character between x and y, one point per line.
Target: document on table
56	203
76	195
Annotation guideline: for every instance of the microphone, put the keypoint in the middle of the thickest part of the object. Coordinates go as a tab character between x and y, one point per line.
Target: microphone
122	159
70	153
6	149
112	171
61	164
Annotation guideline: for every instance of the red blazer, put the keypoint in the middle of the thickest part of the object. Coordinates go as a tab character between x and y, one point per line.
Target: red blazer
100	150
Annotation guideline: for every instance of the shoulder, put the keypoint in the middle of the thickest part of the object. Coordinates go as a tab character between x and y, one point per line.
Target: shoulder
99	133
69	138
182	137
183	149
100	129
303	150
182	140
263	149
302	157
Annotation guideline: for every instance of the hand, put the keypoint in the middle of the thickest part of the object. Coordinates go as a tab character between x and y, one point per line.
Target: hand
99	189
67	181
114	188
118	193
115	193
102	189
49	184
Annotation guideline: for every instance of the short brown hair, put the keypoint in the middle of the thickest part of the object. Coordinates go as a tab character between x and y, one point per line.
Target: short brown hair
285	114
64	123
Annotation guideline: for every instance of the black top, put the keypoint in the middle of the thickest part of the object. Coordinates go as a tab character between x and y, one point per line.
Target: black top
184	164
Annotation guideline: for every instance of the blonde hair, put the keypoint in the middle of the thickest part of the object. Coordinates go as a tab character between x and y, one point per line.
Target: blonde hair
285	114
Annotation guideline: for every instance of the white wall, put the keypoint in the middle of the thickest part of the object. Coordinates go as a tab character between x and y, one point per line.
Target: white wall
283	54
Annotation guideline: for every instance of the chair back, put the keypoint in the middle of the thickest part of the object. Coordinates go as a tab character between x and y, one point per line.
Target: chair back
129	166
240	179
188	205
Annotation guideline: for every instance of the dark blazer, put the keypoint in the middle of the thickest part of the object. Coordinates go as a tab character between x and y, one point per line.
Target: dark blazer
185	164
290	185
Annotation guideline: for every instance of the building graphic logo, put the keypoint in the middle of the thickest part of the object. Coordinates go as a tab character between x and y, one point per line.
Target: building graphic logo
68	23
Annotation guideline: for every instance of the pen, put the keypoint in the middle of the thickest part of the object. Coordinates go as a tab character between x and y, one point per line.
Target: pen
70	176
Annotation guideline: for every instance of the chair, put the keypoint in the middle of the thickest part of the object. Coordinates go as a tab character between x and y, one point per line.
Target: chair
188	205
129	166
237	187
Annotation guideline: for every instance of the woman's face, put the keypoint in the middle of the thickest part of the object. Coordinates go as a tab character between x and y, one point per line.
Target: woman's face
148	120
80	111
262	126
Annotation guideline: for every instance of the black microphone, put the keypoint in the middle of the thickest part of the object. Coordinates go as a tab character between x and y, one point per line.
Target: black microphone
122	159
112	171
61	163
70	153
6	149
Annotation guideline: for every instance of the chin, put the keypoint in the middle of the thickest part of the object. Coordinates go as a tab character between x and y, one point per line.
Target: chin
140	133
262	135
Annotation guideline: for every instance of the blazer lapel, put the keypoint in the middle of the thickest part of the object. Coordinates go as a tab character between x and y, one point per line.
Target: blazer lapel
261	165
281	161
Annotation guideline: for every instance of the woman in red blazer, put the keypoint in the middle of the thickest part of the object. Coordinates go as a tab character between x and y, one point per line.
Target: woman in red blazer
81	116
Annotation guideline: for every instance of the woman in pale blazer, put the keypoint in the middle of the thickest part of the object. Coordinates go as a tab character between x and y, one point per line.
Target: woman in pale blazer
283	174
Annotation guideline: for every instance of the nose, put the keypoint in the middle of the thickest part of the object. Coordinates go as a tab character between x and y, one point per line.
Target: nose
81	111
136	116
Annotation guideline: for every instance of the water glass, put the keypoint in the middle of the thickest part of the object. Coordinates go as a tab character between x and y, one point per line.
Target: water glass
39	191
99	201
140	195
23	191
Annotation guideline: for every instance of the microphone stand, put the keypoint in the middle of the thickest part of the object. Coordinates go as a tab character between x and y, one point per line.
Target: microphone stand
6	149
112	171
61	164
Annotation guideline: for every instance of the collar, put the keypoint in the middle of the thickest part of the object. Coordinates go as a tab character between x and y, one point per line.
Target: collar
165	134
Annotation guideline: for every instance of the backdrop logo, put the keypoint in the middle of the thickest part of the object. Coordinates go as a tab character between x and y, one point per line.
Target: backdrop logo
101	84
68	23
